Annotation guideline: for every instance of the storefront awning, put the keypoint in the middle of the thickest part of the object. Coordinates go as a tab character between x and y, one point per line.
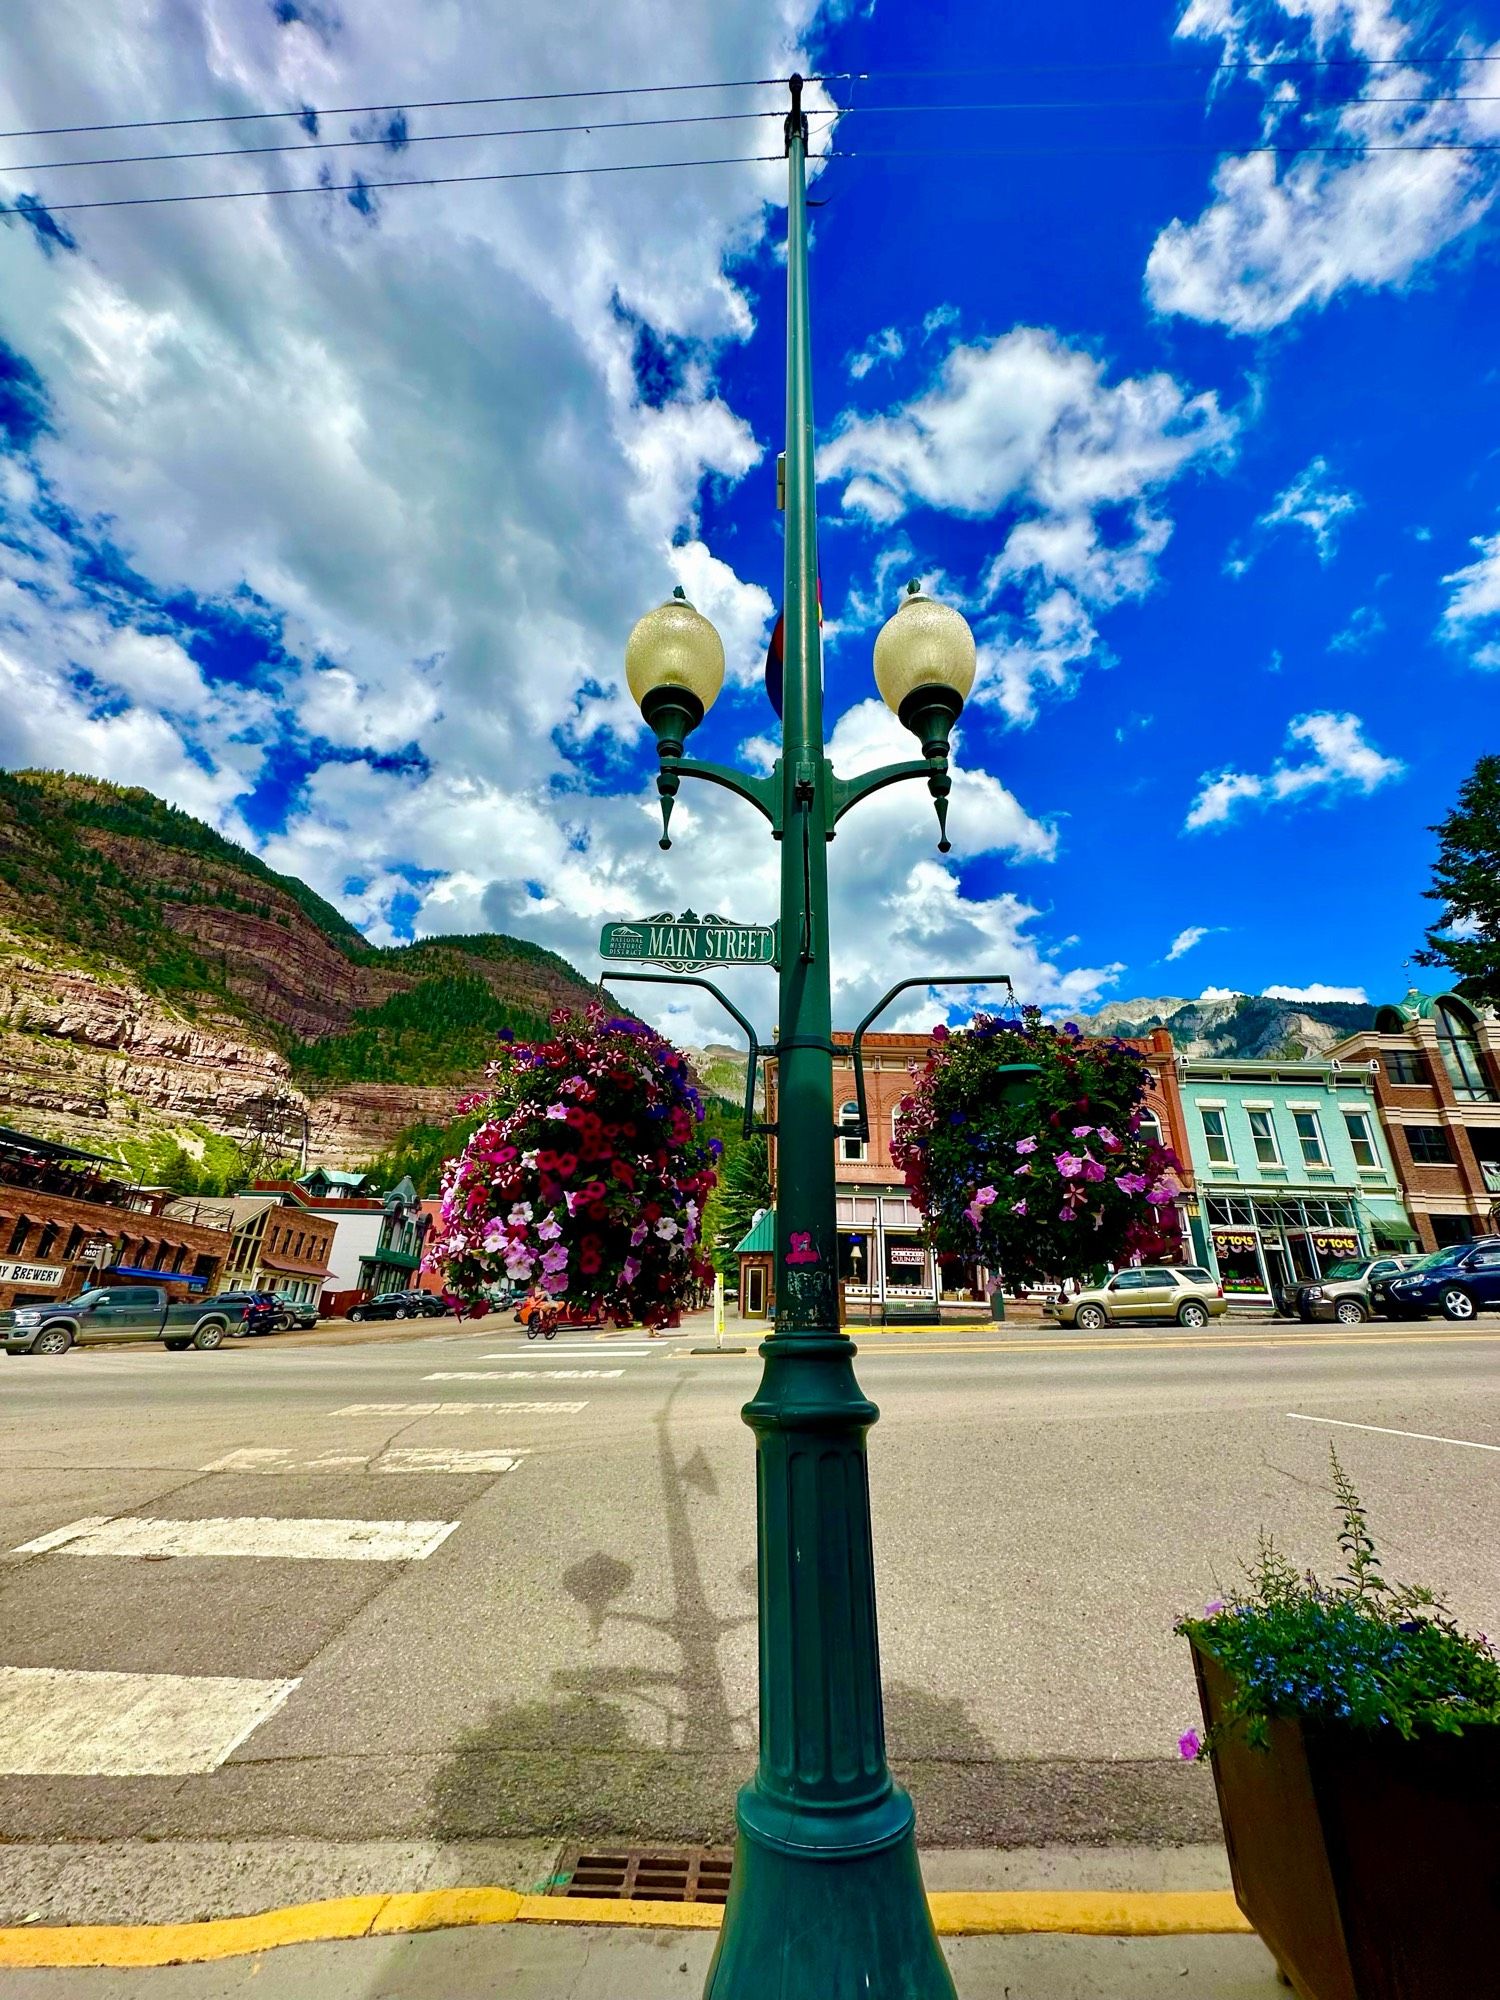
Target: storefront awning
1390	1221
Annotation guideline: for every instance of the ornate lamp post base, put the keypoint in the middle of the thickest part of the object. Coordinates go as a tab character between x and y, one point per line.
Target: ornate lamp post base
852	1925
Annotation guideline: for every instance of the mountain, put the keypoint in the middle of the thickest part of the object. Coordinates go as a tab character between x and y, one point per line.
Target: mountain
161	986
1244	1026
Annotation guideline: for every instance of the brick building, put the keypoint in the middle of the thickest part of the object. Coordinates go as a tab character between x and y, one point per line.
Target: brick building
883	1256
275	1244
68	1220
1434	1061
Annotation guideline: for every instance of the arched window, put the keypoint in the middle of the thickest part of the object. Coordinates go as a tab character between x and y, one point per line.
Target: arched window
851	1146
1151	1127
1459	1046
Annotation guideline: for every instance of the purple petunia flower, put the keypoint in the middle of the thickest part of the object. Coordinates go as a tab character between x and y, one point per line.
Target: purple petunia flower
1082	1131
1026	1145
1018	1207
1069	1165
1131	1183
1189	1744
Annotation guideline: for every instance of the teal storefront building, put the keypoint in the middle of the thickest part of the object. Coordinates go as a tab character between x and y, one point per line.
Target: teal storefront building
1292	1171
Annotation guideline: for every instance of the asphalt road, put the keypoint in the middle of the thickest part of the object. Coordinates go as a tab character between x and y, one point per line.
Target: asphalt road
556	1638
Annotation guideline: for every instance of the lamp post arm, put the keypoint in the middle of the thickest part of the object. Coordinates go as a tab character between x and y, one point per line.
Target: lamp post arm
763	793
846	793
901	986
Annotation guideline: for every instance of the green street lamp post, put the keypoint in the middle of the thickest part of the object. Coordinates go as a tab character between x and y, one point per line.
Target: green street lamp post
827	1898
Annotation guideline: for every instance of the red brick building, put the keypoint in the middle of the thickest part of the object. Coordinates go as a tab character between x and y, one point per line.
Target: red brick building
1435	1064
68	1221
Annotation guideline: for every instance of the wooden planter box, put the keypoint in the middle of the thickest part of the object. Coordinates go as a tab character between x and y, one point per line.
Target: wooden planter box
1370	1866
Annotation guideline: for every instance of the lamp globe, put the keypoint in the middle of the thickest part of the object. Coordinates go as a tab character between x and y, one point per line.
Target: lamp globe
674	664
924	667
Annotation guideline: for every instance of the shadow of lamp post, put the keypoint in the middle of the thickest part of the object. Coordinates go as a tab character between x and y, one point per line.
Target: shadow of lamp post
827	1898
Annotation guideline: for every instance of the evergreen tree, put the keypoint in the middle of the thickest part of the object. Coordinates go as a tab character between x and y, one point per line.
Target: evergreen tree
1466	882
744	1187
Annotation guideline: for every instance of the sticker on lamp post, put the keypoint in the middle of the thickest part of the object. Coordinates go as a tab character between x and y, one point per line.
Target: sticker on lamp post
690	943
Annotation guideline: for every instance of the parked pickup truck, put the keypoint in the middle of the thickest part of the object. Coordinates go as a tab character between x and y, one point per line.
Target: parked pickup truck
118	1313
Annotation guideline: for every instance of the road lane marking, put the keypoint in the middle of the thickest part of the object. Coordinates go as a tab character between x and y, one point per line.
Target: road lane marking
573	1353
526	1375
1422	1437
455	1409
399	1458
251	1535
55	1723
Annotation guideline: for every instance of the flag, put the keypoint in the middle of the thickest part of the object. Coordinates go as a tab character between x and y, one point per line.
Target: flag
776	655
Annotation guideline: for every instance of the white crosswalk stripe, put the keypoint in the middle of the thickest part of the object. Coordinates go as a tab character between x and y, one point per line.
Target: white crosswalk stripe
460	1409
56	1723
249	1536
571	1354
398	1458
526	1375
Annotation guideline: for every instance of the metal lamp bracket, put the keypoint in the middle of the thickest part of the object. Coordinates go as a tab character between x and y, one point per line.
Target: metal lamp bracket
748	1127
862	1131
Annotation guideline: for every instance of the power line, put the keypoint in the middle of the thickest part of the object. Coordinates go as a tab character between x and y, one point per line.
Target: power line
292	146
431	180
407	139
303	111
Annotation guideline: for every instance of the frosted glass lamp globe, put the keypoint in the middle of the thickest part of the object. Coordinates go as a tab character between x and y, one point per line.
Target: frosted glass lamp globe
674	657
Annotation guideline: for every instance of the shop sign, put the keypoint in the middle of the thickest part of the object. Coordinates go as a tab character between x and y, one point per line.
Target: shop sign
1232	1240
1335	1242
690	943
29	1274
902	1253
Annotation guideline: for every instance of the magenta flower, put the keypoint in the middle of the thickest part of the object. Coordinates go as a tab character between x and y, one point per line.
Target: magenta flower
556	1111
940	1033
1067	1213
1082	1131
1131	1183
555	1282
1024	1168
1069	1165
1018	1207
1159	1197
984	1197
1026	1145
556	1259
550	1230
1108	1140
1189	1745
630	1270
639	1234
1093	1170
1213	1608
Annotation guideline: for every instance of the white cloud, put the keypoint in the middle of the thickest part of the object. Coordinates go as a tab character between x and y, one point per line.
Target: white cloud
1471	617
1340	760
1315	992
1221	993
1312	501
1279	237
887	345
1185	940
1028	429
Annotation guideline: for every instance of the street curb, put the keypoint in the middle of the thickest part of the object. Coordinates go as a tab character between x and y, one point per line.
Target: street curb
955	1913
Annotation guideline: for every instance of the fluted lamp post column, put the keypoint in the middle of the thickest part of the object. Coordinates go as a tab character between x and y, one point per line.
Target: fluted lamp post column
827	1900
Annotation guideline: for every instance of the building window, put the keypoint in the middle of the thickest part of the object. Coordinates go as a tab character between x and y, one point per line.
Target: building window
1449	1229
1429	1146
1357	1125
1150	1128
74	1244
1405	1066
1263	1132
851	1146
45	1241
1310	1136
18	1236
1460	1051
854	1258
1216	1138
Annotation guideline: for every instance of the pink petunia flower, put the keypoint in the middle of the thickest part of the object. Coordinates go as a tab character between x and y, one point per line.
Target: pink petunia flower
1018	1207
1189	1745
1069	1165
1082	1131
1131	1183
1026	1145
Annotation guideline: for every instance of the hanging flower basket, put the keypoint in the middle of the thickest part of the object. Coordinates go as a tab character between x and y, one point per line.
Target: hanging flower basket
586	1177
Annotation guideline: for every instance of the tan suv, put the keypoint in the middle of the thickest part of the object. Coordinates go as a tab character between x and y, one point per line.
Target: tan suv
1185	1293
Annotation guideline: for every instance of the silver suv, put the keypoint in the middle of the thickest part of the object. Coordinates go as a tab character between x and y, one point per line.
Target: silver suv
1185	1293
1344	1292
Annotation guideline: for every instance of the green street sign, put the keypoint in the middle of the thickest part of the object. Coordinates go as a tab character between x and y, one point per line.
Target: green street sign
690	943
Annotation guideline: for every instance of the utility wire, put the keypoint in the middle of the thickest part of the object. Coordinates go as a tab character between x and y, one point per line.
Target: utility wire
1247	64
303	111
292	146
432	180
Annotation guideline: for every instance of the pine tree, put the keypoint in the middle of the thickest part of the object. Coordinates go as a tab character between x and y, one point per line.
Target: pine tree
1466	882
744	1186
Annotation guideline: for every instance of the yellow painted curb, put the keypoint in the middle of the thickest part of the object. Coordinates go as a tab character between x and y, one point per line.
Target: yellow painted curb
964	1913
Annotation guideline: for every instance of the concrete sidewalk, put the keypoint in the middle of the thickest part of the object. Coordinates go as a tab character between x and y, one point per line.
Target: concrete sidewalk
375	1921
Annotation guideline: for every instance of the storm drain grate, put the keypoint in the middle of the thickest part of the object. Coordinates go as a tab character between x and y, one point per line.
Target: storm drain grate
647	1874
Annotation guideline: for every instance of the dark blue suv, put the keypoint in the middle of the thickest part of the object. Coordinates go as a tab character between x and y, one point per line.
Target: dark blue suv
1458	1282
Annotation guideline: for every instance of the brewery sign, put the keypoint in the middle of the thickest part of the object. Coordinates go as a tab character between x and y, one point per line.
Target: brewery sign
13	1273
690	943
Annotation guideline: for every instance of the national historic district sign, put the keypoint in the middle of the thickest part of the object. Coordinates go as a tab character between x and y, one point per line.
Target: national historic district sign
690	943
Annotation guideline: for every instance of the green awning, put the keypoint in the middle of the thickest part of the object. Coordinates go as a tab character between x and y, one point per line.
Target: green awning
761	1236
1390	1221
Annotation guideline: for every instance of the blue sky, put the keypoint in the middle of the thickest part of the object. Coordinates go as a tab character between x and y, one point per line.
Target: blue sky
327	517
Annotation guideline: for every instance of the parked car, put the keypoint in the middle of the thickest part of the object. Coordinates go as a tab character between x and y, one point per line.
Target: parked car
297	1315
1185	1293
1344	1292
116	1313
1459	1282
249	1311
401	1305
